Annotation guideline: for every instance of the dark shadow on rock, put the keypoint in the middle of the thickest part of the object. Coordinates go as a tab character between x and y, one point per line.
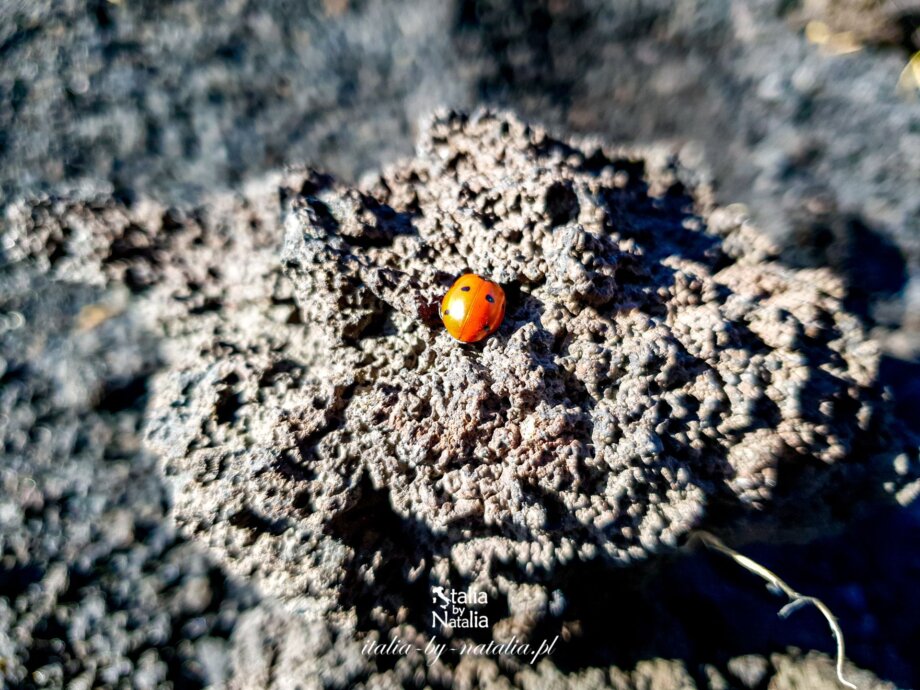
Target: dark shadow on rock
375	531
902	377
872	267
701	607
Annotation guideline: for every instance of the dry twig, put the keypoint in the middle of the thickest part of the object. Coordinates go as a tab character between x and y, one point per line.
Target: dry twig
796	599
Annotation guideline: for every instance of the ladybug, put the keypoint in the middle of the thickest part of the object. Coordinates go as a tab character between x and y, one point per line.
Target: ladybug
473	308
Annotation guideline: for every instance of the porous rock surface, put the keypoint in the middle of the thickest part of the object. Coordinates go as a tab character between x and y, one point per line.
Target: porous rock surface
657	371
97	588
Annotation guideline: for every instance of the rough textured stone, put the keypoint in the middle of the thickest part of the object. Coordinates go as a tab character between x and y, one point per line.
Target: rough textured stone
100	294
657	371
96	587
183	98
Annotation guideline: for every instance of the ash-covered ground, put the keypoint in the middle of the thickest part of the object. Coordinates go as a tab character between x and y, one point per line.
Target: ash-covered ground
135	137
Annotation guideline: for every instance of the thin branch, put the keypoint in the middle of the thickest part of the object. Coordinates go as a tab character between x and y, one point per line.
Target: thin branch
796	600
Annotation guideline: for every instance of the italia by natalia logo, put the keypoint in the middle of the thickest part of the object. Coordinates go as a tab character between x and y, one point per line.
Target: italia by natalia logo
457	608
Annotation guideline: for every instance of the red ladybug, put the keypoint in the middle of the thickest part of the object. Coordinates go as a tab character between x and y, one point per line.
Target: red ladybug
473	308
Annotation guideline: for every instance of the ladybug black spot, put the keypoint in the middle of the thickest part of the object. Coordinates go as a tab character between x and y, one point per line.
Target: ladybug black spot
490	299
486	328
465	288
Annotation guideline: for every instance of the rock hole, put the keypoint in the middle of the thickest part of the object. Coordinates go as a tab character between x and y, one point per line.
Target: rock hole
561	203
228	401
124	394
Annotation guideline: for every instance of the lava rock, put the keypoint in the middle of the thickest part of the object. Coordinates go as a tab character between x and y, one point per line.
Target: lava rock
658	370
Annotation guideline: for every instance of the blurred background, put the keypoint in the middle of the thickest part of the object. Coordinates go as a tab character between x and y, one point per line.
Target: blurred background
805	111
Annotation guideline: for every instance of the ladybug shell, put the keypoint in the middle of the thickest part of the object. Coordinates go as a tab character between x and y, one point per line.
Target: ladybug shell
473	308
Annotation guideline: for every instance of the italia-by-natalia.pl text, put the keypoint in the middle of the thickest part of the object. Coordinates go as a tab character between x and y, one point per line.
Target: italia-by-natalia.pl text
458	610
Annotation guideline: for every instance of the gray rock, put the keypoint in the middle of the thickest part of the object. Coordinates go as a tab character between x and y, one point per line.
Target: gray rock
658	370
